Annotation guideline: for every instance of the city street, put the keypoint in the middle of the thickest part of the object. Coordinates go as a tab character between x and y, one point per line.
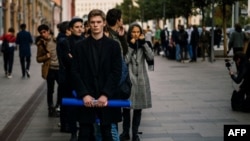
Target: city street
191	102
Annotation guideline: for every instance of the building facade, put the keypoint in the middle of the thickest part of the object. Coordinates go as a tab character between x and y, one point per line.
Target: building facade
83	7
31	12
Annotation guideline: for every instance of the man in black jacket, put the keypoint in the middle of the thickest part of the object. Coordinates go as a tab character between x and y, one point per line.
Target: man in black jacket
64	49
96	72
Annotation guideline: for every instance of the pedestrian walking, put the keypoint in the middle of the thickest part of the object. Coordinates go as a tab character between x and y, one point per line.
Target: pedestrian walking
96	72
47	55
139	52
24	41
8	49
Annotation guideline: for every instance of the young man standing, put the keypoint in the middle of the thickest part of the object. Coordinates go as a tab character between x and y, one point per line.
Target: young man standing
96	72
117	32
65	49
46	54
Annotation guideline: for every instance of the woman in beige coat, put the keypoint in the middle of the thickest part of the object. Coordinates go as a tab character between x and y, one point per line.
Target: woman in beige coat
140	98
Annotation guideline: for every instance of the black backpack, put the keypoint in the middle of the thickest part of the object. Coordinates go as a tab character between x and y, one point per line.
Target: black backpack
125	85
4	46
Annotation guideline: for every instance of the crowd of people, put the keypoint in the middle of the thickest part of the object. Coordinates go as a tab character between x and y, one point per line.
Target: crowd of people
87	56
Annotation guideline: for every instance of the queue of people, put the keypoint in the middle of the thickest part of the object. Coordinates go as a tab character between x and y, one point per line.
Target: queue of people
89	60
86	57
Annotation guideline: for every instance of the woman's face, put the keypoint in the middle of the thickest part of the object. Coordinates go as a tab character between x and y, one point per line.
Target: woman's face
135	32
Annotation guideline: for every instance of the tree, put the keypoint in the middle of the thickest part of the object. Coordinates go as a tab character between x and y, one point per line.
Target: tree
129	11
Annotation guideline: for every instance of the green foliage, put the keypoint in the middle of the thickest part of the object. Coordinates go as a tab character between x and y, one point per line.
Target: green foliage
130	12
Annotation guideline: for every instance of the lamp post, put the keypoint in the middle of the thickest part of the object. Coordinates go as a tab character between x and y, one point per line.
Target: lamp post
53	4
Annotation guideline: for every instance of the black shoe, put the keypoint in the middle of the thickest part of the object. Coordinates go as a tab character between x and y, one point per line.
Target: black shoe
136	138
73	137
51	112
124	136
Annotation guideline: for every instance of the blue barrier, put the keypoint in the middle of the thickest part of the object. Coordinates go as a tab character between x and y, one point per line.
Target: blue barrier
111	103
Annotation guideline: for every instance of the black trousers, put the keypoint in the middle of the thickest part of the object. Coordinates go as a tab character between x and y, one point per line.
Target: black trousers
25	63
87	132
8	58
135	121
51	78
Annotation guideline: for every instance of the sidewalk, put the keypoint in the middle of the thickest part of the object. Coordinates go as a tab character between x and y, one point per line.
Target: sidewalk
191	102
16	91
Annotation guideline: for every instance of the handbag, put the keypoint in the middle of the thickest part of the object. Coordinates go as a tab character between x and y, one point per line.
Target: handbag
237	100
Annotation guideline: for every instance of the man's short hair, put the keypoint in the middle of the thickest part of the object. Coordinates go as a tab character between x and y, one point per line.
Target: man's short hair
63	26
42	27
23	26
113	15
74	20
96	12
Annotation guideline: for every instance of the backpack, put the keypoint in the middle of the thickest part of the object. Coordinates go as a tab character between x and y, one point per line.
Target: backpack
4	46
125	85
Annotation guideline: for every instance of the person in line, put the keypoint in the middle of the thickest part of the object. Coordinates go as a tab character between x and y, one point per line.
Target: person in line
47	55
242	77
117	32
189	45
182	37
149	35
194	41
8	52
237	38
65	55
96	72
157	40
24	41
217	36
204	42
165	41
140	97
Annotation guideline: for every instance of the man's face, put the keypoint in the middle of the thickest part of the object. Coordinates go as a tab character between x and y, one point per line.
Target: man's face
77	29
96	24
45	34
120	22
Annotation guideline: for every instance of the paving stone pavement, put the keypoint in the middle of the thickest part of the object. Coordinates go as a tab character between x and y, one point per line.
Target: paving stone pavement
191	102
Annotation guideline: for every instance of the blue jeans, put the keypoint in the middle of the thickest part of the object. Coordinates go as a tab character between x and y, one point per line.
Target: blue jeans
177	52
190	51
114	132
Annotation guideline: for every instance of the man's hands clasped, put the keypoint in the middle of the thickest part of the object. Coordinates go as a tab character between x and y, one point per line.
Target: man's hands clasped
89	101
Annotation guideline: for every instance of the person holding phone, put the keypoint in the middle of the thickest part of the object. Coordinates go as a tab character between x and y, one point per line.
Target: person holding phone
138	52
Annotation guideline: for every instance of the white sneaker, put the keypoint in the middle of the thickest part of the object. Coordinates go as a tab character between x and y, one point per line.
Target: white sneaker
9	76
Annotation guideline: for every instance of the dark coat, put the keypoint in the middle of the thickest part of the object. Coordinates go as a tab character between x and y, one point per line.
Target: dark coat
24	40
87	80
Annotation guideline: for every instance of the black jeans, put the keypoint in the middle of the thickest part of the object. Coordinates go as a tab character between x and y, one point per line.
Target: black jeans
8	58
87	133
51	78
24	66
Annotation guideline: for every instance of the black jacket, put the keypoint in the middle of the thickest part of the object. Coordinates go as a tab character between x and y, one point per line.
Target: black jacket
96	77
